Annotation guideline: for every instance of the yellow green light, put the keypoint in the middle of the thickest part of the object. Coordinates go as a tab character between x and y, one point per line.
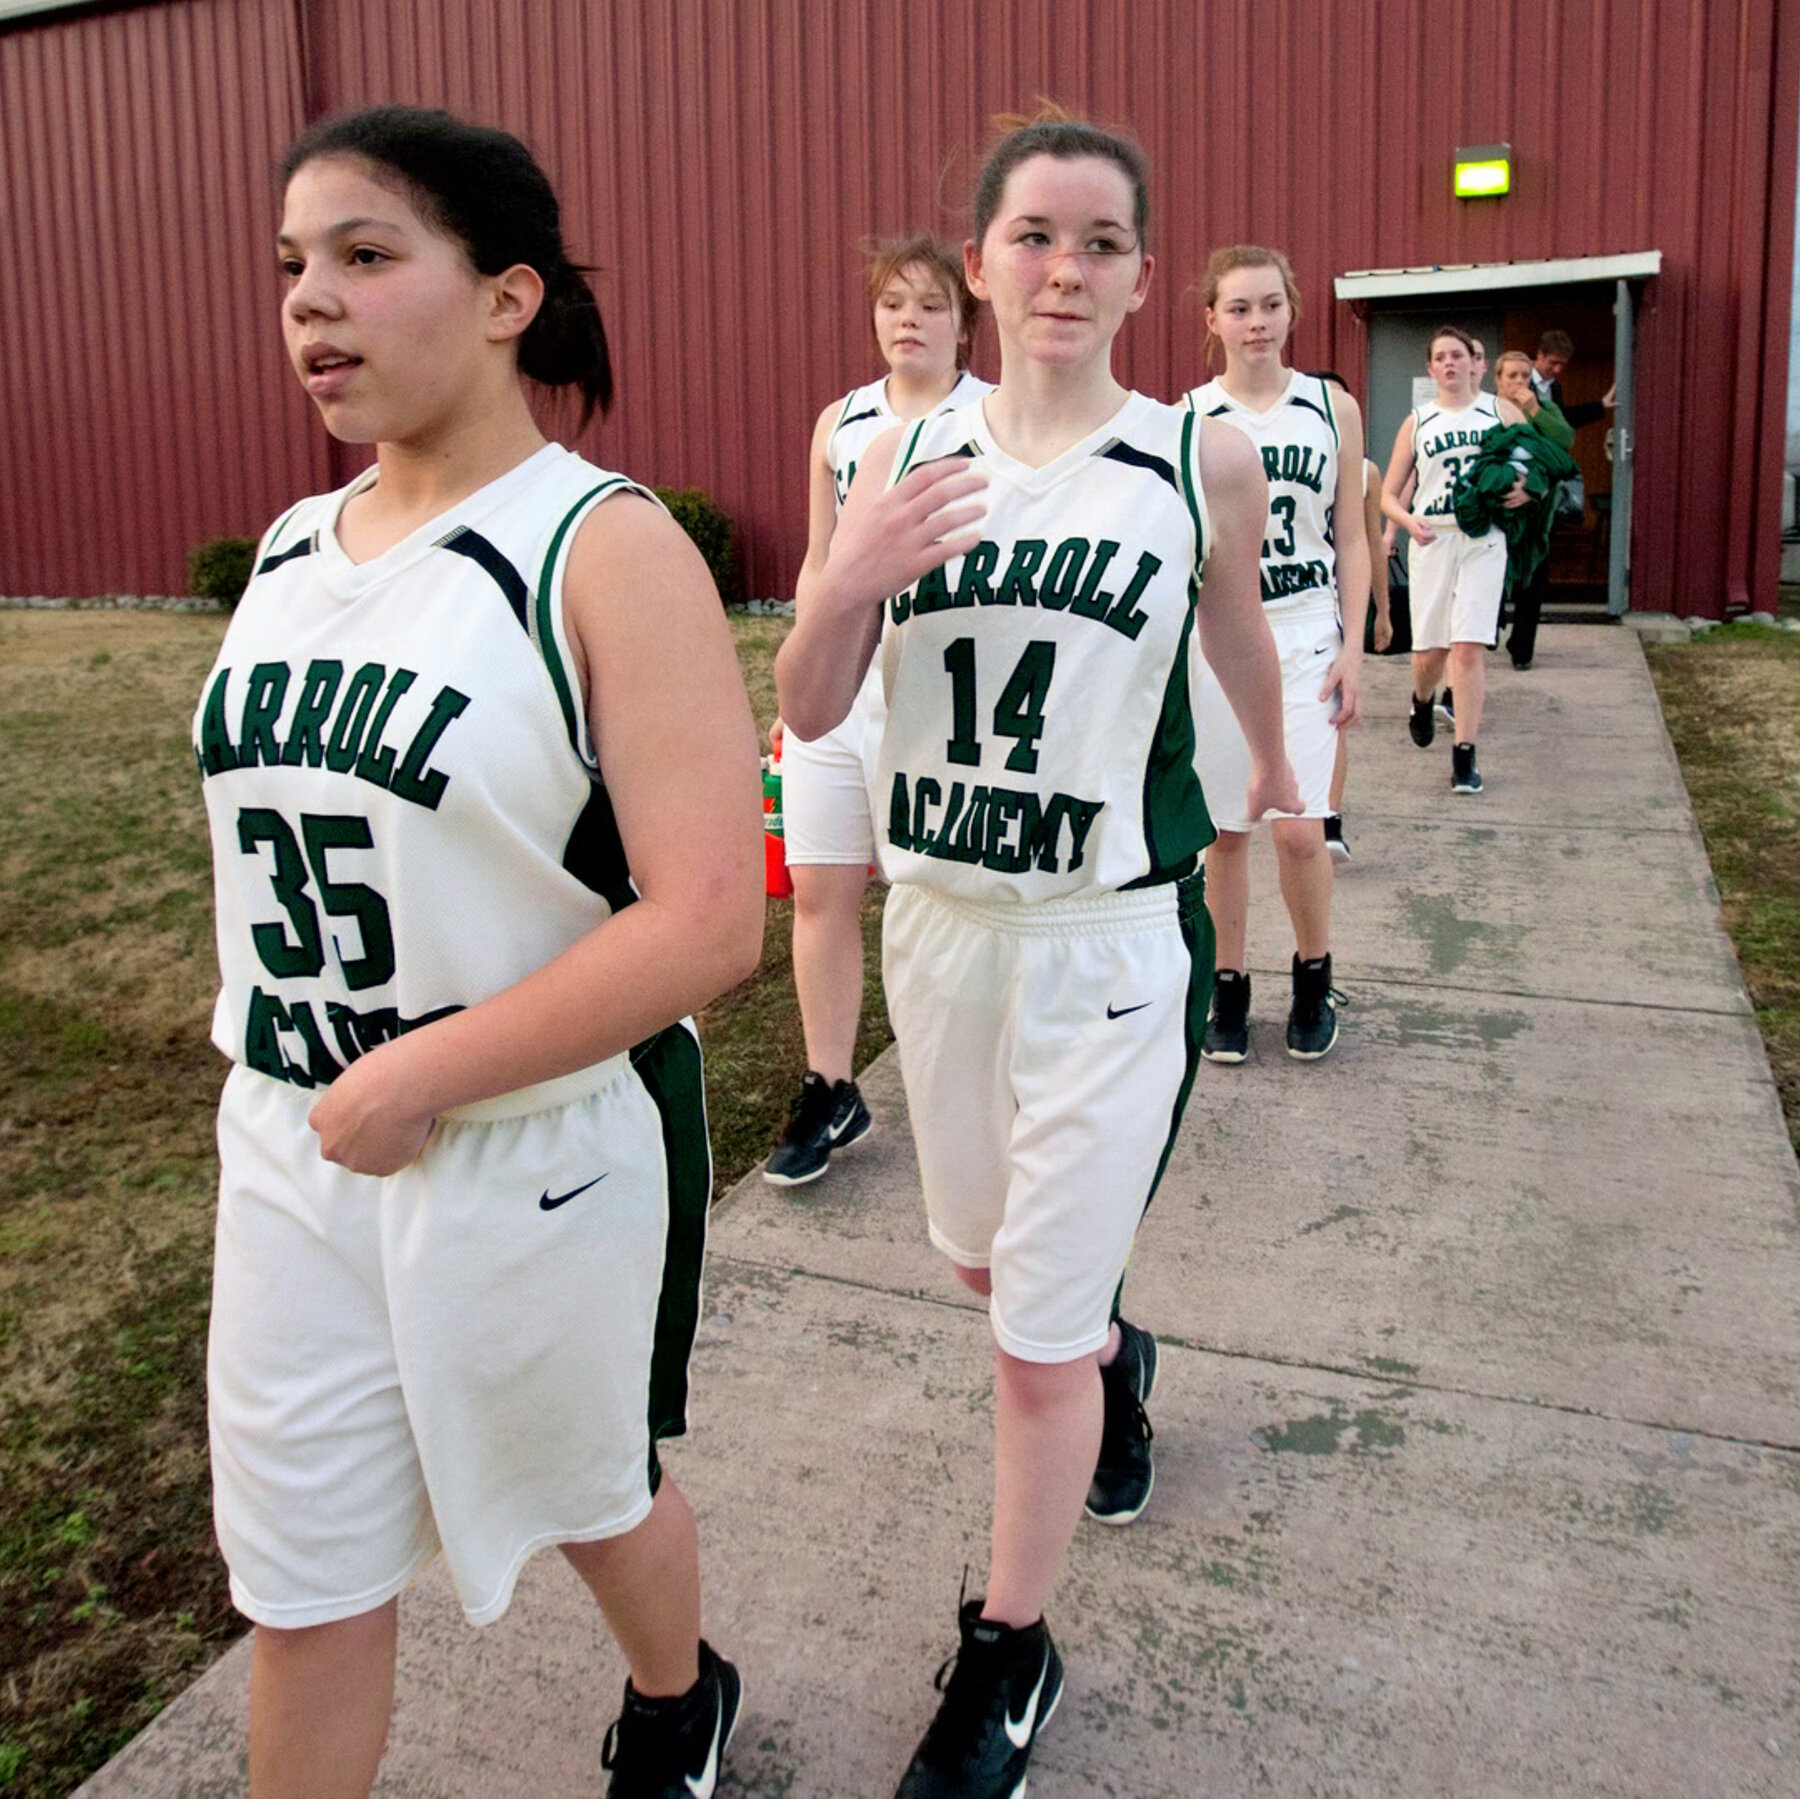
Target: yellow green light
1481	174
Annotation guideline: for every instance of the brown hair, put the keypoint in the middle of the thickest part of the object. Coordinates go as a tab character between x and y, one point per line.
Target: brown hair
1556	343
1053	131
886	257
1228	260
1455	331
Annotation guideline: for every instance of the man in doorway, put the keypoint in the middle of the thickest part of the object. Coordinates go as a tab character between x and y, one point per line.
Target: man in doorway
1556	350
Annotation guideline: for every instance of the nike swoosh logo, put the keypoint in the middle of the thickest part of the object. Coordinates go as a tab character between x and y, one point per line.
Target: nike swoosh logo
547	1204
1122	1011
701	1785
835	1130
1019	1733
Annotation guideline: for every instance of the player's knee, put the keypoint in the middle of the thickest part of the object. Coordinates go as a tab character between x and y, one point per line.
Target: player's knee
1043	1387
1229	846
1298	839
977	1280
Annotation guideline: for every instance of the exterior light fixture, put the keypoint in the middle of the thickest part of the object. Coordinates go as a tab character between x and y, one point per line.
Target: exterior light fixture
1483	172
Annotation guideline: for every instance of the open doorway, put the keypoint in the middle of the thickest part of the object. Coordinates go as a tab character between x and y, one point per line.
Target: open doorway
1515	319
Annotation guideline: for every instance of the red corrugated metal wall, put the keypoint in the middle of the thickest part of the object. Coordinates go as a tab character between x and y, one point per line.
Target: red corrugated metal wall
718	158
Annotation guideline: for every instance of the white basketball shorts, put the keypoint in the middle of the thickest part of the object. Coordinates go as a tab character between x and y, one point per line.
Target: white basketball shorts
1457	584
827	785
476	1353
1048	1053
1306	639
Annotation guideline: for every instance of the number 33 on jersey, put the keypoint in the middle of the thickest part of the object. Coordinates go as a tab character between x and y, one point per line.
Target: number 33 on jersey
1040	735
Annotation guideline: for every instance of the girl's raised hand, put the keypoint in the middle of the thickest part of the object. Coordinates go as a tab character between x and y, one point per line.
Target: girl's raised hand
885	541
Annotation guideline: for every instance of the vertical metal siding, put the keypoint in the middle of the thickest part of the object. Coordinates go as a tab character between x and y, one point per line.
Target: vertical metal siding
143	411
718	160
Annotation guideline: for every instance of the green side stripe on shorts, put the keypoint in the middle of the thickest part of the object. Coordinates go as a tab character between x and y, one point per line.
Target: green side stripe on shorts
669	1066
1197	934
544	631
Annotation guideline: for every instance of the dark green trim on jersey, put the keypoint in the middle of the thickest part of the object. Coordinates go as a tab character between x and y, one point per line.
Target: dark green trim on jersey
544	620
1123	452
1330	412
595	853
303	548
669	1066
1190	478
487	558
1177	825
909	446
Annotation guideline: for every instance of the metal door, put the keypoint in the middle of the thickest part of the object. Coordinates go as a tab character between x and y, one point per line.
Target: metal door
1621	442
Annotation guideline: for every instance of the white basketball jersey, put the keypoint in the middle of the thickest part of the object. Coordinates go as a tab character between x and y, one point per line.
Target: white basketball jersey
1444	444
865	414
406	811
1297	439
1040	731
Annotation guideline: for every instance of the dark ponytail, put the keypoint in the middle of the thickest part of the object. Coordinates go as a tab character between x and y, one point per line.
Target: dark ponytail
483	188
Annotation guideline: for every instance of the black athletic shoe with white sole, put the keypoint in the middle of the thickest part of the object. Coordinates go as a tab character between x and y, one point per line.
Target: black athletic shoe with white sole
1125	1472
671	1748
1422	725
1465	777
823	1118
1003	1685
1334	837
1227	1036
1312	1029
1446	708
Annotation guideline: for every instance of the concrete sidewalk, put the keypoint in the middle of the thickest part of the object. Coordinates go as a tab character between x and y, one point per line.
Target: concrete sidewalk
1478	1429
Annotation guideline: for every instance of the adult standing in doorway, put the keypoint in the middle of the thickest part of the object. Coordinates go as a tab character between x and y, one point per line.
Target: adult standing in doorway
1314	579
1457	580
922	320
1513	380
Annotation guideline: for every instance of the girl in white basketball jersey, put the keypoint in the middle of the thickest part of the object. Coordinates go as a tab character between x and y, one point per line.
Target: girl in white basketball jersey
1315	592
923	321
1030	565
1457	581
481	779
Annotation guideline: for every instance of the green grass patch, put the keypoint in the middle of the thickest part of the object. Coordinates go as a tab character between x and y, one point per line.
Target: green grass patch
111	1587
1731	700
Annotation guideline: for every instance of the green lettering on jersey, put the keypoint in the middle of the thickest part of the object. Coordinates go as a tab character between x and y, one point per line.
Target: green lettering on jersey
216	752
975	585
1125	617
352	719
411	781
376	764
1093	600
932	593
262	706
977	826
1015	585
306	733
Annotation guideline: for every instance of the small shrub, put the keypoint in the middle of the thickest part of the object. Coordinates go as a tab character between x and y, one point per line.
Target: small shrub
711	529
219	569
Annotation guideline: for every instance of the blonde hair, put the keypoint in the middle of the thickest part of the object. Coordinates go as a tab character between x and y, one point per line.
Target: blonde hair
1229	260
1507	356
886	257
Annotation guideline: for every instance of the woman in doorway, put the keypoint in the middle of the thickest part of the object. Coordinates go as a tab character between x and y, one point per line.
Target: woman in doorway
923	321
1457	581
467	896
1512	381
1315	595
1046	949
